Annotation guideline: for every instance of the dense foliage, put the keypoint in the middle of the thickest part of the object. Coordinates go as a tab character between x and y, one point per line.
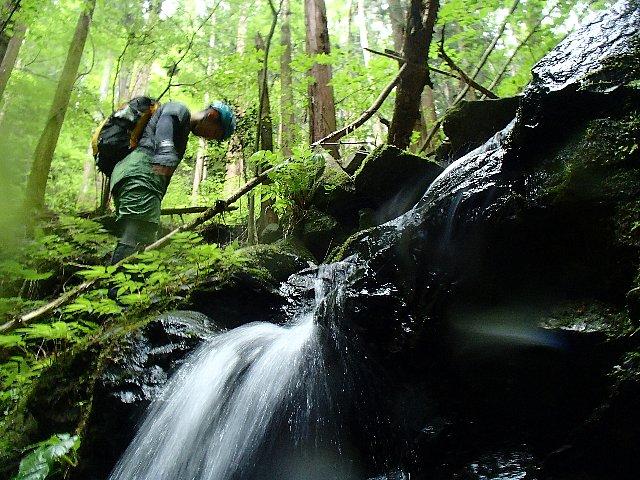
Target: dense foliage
195	51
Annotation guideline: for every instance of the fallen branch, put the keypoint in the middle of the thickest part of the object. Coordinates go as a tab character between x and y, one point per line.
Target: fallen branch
469	81
186	210
338	134
219	207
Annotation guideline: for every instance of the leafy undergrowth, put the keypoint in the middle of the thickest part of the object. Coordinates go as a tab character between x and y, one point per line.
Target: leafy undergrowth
48	456
71	251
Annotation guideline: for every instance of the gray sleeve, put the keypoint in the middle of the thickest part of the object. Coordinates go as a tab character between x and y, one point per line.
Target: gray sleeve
173	115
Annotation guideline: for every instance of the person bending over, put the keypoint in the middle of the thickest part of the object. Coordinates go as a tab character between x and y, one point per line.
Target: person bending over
140	180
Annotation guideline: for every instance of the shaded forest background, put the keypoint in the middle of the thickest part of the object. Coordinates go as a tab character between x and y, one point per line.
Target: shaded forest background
203	50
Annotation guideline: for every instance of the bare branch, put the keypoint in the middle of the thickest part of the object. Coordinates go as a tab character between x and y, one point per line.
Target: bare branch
487	52
334	136
469	81
174	68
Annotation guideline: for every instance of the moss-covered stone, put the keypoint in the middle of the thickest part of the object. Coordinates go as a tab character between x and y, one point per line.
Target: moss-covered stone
471	123
319	232
590	317
597	163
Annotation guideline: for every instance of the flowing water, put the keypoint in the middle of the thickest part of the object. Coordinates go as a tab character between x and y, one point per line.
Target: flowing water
216	414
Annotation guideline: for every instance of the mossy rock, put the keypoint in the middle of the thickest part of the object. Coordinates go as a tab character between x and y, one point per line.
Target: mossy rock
320	232
599	162
590	317
275	262
471	123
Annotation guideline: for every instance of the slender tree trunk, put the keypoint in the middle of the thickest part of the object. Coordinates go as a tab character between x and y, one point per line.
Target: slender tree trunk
267	214
241	35
361	19
200	170
428	113
235	168
11	55
397	15
420	21
49	138
89	177
322	111
287	117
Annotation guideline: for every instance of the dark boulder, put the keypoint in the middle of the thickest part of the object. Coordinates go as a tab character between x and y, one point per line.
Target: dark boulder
131	372
471	123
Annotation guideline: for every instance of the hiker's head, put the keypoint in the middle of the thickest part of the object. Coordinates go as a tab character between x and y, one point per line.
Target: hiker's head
216	122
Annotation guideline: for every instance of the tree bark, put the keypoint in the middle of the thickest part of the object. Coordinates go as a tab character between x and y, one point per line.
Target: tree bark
267	214
428	113
46	146
11	55
287	117
322	109
419	32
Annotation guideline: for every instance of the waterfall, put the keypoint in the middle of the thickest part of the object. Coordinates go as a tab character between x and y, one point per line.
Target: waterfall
213	418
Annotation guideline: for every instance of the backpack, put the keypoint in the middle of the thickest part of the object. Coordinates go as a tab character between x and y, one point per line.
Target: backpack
119	134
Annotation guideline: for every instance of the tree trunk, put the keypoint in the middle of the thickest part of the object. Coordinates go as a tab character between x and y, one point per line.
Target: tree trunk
200	170
49	138
241	35
287	117
11	55
361	19
397	17
420	21
267	215
89	177
429	116
322	111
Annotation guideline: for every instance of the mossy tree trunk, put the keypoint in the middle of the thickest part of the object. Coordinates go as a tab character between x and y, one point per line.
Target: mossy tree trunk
36	185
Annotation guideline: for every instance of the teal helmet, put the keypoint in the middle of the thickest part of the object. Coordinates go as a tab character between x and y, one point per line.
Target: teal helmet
227	117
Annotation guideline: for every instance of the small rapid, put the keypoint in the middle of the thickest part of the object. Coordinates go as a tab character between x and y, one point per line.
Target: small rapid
214	416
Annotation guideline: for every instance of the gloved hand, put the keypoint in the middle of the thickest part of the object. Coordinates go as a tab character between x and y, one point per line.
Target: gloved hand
166	155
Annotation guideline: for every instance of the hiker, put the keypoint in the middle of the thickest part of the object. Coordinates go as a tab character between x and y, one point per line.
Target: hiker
140	180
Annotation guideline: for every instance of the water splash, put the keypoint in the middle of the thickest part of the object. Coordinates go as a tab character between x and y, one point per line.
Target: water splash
214	416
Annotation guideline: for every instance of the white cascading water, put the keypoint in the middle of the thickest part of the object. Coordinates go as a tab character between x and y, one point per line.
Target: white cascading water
212	417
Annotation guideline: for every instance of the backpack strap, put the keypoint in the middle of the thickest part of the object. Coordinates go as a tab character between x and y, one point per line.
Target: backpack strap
136	134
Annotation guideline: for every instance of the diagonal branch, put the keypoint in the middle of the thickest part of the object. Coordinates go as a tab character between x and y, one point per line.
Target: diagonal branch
219	207
334	136
174	68
469	81
487	52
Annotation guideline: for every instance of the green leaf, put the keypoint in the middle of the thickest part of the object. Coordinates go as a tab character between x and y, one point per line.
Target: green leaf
38	464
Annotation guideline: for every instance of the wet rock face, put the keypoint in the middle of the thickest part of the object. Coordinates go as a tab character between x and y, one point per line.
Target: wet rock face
131	375
540	216
471	123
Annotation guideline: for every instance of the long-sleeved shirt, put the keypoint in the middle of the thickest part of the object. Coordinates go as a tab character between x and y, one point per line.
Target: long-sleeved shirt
165	136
